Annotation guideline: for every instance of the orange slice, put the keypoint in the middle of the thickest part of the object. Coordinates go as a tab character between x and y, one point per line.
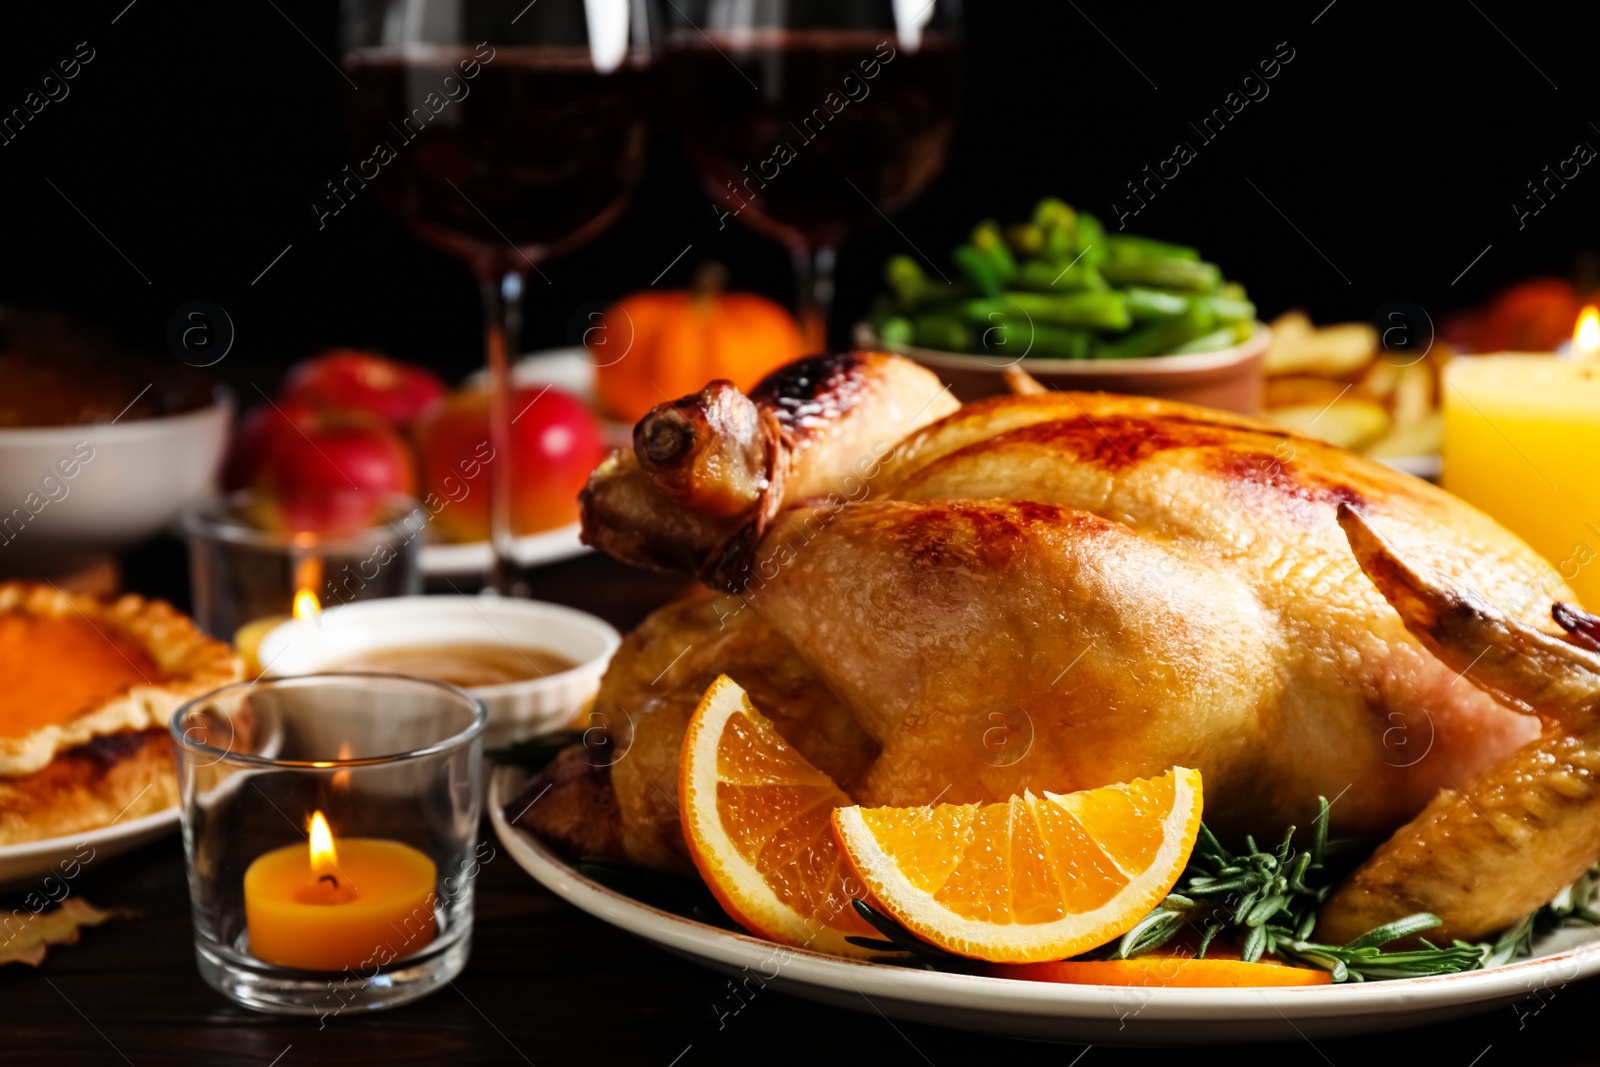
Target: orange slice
1031	879
756	817
1175	971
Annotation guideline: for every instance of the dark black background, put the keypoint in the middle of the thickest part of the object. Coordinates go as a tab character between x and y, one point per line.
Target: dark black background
1394	141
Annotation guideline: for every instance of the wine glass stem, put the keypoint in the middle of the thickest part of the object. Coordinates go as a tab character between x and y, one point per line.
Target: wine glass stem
813	273
502	328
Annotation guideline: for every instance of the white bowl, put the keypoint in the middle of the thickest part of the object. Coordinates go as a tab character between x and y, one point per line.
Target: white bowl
128	480
516	709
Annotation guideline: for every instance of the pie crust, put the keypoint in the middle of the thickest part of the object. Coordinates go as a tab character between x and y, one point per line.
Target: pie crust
112	758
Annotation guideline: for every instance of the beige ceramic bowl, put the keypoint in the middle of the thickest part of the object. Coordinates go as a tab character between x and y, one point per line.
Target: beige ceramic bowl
516	709
1230	379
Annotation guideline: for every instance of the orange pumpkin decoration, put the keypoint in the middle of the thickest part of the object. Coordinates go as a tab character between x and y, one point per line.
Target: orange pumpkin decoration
653	347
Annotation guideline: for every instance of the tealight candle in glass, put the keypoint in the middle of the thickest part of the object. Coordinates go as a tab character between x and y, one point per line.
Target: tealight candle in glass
256	556
330	826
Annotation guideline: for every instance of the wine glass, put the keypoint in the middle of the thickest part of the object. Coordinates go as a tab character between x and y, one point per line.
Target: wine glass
503	133
810	118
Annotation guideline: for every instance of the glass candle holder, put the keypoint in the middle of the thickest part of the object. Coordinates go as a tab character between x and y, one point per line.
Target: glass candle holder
252	553
330	825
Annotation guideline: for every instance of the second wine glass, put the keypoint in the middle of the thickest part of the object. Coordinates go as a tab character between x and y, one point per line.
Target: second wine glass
811	118
503	133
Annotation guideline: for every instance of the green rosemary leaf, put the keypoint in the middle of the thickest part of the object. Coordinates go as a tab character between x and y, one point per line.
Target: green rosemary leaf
1255	942
1382	935
1319	832
914	952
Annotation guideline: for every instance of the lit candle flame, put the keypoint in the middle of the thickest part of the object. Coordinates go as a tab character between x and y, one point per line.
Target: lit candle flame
306	605
307	577
1586	337
324	857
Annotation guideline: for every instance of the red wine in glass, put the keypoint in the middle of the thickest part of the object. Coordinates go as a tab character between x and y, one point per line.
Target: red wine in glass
846	123
807	134
532	156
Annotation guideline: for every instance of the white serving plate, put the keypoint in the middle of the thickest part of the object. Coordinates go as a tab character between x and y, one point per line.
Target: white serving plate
474	557
55	855
1047	1011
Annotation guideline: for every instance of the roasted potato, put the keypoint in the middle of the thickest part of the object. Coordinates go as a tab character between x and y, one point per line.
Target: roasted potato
1419	439
1327	352
1354	424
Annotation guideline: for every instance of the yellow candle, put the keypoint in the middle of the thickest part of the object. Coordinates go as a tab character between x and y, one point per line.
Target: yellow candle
354	905
1521	441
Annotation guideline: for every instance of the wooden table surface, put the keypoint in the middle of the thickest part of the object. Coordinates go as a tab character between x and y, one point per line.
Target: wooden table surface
547	984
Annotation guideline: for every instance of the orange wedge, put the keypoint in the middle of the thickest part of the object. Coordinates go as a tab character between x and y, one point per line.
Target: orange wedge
756	818
1031	879
1174	971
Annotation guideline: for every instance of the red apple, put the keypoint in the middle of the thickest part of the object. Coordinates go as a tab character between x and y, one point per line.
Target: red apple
349	379
327	471
256	438
555	444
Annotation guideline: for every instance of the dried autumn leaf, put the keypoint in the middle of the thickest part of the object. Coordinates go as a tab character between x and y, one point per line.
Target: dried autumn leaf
26	943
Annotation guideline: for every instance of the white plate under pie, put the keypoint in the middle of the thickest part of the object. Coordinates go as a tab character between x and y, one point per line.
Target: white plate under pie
1048	1011
67	857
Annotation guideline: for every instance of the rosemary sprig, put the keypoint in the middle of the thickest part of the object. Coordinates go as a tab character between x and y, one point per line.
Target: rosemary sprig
1269	902
911	951
1257	894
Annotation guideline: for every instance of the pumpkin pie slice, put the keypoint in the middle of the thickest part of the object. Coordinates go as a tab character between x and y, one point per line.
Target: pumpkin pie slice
86	691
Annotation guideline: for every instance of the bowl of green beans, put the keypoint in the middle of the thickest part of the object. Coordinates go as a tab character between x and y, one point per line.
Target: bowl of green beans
1078	309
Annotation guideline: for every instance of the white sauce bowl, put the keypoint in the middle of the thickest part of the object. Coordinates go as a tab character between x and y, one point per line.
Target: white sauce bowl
516	709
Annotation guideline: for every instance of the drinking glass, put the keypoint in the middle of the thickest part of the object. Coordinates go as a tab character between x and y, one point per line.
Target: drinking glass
503	133
811	118
242	569
389	766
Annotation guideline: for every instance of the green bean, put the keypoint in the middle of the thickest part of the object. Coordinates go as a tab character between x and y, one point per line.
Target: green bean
986	238
906	278
945	332
897	330
1160	336
1091	241
980	270
1147	304
1052	211
1042	276
1094	310
1025	238
1039	340
1214	341
1127	246
1230	311
1165	273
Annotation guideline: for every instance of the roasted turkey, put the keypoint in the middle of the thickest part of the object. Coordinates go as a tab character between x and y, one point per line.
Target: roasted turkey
1054	591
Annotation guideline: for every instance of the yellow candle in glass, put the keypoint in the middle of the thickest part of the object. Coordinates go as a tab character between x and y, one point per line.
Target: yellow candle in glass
354	905
1522	442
